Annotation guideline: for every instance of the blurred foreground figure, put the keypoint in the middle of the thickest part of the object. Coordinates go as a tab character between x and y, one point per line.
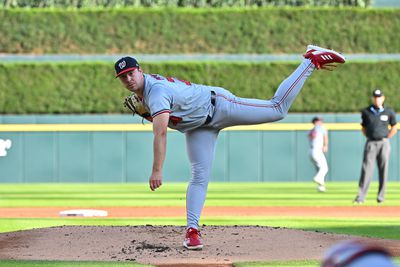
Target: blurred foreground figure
357	254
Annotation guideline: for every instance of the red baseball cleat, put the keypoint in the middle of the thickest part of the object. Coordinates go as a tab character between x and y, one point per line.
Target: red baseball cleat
192	240
323	58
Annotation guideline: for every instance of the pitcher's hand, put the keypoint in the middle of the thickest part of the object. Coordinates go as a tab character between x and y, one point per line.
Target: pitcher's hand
155	181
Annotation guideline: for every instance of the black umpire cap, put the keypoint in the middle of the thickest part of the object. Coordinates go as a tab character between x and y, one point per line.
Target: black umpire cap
377	93
125	64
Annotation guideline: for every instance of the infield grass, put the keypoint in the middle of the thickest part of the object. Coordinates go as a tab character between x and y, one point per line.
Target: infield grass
18	263
14	263
173	194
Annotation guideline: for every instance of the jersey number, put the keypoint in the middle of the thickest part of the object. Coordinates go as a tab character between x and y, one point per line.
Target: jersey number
170	79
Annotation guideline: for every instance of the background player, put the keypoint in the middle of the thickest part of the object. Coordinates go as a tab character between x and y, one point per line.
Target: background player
375	126
318	137
200	112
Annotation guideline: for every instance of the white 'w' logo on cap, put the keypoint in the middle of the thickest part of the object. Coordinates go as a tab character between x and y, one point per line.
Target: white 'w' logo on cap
122	64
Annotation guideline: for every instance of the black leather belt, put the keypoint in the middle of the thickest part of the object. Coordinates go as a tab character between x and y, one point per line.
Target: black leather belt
212	99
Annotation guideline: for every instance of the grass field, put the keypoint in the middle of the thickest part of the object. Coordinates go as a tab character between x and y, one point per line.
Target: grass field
219	194
12	263
173	194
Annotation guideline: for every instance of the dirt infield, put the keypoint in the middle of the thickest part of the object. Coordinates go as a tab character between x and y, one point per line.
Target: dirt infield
161	245
127	212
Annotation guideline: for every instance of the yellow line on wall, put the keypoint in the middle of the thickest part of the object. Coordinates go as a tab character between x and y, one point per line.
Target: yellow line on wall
295	127
75	127
148	127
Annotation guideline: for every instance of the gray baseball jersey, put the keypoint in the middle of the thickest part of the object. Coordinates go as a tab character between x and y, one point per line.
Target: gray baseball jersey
188	103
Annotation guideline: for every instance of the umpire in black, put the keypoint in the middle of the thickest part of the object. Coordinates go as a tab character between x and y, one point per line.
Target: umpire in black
375	126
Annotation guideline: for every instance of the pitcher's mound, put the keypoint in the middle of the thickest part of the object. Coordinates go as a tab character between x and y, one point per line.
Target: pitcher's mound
162	245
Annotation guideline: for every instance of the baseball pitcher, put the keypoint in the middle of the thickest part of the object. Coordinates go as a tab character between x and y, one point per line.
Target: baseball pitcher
201	112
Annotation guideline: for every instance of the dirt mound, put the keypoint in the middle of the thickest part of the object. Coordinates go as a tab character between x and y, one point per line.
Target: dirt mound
162	245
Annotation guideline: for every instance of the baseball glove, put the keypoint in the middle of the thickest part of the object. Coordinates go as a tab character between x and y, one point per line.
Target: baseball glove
134	104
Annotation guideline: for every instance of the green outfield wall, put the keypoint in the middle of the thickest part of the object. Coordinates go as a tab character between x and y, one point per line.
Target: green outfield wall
91	87
204	30
118	148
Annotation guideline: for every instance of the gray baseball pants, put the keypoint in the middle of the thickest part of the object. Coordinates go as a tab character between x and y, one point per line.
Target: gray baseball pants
231	110
378	151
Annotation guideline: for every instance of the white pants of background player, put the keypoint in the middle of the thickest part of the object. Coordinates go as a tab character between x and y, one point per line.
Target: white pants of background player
231	110
318	158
